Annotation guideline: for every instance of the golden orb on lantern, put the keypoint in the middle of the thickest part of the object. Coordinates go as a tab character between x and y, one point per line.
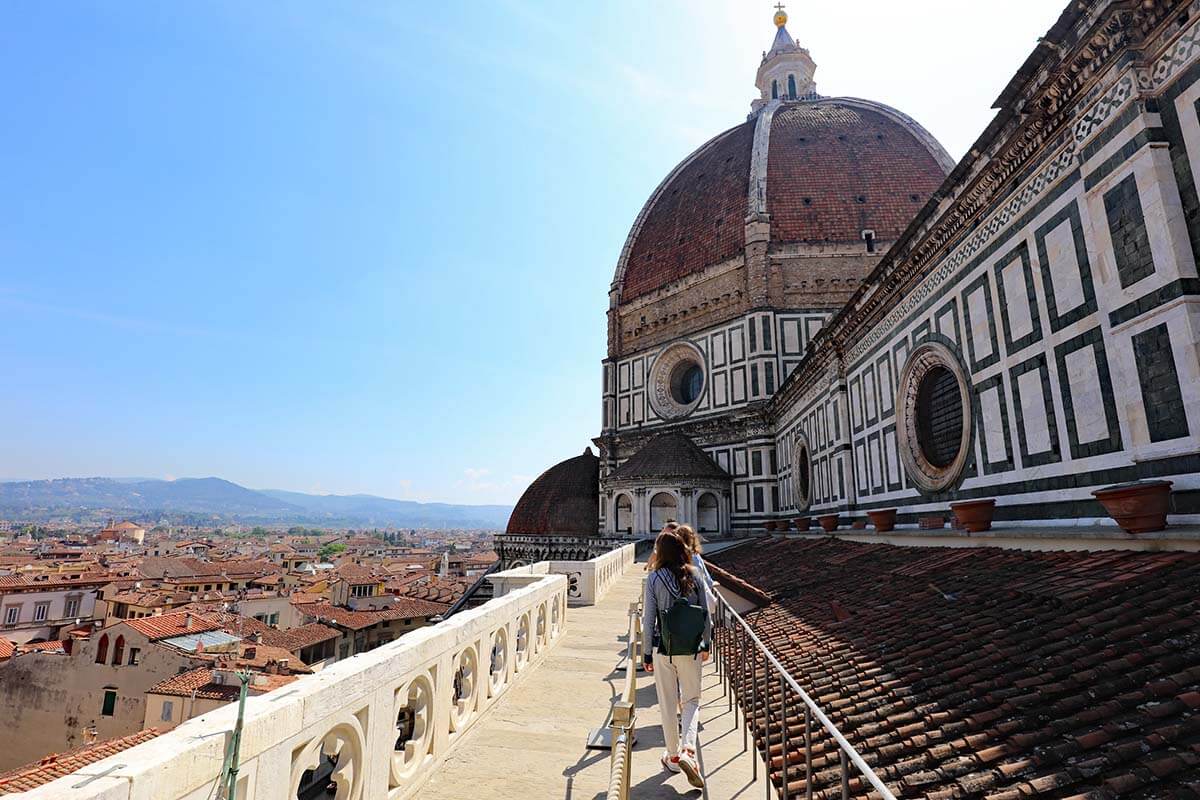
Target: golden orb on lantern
780	16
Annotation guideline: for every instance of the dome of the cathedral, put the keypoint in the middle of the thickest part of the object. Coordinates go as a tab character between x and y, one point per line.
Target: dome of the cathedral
564	499
821	170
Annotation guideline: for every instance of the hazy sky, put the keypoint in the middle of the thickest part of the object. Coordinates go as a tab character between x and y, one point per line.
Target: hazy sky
366	247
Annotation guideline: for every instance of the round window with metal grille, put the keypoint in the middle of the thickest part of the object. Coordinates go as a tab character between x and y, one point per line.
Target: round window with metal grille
802	472
939	417
933	403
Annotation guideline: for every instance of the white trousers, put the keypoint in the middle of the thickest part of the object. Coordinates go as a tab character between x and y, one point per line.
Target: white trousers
677	679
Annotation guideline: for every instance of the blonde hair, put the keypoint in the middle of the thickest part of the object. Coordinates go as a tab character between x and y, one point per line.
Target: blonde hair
690	538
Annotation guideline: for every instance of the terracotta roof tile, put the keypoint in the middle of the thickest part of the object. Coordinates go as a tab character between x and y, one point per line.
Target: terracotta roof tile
164	626
983	672
401	608
57	765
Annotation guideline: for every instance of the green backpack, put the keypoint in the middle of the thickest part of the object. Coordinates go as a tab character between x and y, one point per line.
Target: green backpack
681	628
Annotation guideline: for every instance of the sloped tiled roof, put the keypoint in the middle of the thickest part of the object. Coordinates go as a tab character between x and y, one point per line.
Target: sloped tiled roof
175	567
402	608
987	673
294	639
669	455
199	681
53	646
31	776
6	649
165	626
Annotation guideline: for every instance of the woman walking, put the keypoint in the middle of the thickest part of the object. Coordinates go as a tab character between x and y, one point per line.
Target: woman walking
677	625
694	545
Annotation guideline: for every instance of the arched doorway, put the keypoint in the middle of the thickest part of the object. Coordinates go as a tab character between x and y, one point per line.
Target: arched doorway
662	508
708	516
624	514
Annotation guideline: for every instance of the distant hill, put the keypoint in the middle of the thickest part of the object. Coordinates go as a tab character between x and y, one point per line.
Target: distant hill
197	500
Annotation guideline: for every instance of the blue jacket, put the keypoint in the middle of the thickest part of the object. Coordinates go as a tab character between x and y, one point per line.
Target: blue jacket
661	593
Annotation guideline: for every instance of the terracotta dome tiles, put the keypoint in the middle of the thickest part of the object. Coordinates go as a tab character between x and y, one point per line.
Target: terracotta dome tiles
834	169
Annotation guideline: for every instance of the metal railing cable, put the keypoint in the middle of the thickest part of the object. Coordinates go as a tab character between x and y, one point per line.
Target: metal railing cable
741	656
624	712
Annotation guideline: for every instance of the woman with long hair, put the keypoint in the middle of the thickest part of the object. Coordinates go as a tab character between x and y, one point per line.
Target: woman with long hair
676	674
694	545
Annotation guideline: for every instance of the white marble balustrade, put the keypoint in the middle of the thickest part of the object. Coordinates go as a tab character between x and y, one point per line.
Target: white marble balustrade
389	715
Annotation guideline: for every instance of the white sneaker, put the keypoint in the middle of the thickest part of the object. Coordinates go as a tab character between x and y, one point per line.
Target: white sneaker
670	763
687	763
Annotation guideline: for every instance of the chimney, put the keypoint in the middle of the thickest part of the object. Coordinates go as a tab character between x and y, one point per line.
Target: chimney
257	637
187	621
283	666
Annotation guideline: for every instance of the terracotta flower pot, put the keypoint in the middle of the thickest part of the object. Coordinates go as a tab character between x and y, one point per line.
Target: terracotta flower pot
783	524
828	521
974	515
803	523
858	525
884	519
1138	507
769	525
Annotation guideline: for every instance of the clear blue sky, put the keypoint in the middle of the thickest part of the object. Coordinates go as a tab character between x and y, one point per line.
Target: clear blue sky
366	247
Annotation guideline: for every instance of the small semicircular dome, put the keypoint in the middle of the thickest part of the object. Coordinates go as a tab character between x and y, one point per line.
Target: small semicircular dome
564	499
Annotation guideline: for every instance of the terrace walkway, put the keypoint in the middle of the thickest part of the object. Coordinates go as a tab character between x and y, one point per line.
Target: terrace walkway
530	744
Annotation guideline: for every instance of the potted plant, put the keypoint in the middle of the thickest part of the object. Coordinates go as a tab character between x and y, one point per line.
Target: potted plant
783	524
1138	507
974	515
858	525
884	519
769	525
803	523
828	521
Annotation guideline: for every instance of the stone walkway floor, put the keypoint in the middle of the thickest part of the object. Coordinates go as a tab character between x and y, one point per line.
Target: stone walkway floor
530	745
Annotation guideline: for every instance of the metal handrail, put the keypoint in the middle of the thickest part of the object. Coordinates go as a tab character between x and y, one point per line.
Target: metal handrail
624	713
743	683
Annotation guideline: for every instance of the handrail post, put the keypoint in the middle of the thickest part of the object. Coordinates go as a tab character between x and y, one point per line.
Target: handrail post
749	701
767	729
754	709
783	734
808	752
